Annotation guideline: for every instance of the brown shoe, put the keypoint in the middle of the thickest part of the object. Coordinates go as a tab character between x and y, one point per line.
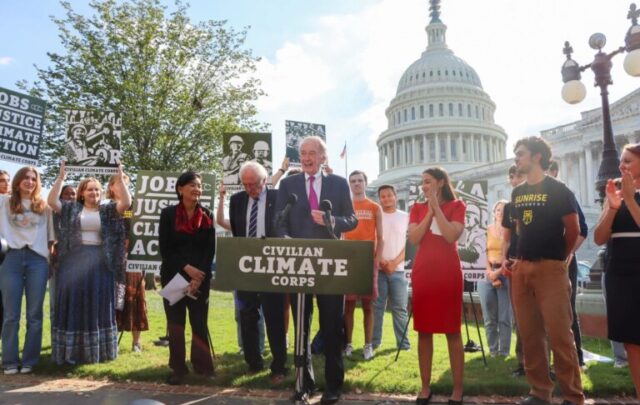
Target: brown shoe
276	379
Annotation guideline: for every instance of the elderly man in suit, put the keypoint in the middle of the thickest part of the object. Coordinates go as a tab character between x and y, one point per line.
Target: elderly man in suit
306	221
251	214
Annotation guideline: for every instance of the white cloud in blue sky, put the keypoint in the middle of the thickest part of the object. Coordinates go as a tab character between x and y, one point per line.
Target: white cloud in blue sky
5	60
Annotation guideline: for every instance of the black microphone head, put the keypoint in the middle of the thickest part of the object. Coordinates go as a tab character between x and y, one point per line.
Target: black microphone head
326	205
293	198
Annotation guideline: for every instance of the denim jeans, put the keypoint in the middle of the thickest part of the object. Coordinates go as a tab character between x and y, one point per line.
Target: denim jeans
23	269
496	312
393	287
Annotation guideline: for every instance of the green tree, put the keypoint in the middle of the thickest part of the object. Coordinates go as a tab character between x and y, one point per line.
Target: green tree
179	84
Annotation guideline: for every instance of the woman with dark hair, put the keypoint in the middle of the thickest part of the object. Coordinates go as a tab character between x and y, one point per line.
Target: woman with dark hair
436	277
91	255
187	246
25	223
619	228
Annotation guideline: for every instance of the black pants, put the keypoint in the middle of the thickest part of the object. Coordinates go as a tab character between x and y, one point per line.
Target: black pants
273	310
331	308
176	320
575	326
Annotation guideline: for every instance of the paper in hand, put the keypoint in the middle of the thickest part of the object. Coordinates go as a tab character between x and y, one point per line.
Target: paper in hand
175	289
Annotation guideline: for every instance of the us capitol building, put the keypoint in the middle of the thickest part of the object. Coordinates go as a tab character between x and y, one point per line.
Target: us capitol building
441	116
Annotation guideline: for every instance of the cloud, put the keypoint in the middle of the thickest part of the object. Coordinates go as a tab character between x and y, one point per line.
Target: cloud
343	73
345	69
5	60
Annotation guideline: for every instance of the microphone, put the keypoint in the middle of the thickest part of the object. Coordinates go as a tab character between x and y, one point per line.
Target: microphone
282	215
326	206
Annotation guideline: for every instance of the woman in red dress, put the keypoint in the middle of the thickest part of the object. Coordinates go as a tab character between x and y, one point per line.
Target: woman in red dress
436	277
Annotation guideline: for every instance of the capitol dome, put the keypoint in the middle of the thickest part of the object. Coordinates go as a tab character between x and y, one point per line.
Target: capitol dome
440	116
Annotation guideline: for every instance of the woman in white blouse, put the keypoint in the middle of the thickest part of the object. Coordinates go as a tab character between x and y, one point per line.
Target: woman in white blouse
25	222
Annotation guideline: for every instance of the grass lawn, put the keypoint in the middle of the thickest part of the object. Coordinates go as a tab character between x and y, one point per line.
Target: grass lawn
381	374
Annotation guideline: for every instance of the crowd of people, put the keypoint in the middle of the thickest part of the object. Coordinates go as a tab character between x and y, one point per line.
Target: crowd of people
79	242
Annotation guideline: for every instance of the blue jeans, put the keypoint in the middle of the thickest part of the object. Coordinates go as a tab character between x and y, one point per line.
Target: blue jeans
496	312
23	269
393	287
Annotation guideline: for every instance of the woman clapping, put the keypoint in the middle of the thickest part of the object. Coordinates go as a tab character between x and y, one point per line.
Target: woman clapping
619	227
435	227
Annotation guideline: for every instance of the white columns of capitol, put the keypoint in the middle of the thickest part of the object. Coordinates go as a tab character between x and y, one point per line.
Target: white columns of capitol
437	142
583	178
425	146
591	178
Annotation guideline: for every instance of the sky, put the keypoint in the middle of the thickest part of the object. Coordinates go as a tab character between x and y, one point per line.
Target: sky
338	62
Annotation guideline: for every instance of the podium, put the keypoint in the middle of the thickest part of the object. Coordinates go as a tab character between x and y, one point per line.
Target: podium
301	266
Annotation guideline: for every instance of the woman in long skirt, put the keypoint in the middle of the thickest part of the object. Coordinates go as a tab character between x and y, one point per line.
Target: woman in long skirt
91	252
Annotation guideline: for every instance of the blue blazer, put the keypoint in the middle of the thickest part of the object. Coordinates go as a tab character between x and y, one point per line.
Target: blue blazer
299	223
238	205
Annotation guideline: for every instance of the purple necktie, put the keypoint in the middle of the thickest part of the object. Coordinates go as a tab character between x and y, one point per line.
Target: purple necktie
313	197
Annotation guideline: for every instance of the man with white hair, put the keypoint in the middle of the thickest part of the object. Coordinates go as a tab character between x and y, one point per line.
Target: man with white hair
251	214
306	221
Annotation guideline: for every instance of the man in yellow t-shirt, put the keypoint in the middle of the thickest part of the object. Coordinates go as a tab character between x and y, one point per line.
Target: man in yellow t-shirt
369	227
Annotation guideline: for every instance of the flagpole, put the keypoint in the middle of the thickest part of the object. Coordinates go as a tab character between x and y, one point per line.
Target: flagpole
346	172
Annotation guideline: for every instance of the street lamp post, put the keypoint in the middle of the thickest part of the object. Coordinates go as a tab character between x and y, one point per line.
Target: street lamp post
574	91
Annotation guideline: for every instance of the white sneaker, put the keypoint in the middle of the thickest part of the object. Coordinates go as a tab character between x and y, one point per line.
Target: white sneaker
616	364
367	353
26	370
11	371
348	350
136	348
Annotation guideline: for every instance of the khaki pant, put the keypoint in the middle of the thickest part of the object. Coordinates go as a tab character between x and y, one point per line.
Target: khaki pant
541	298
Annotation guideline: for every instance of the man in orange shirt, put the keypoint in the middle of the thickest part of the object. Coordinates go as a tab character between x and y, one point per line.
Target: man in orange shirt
369	227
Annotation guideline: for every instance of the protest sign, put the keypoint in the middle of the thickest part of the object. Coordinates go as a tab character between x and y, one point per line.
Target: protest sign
295	132
154	191
472	243
21	126
239	148
92	142
317	266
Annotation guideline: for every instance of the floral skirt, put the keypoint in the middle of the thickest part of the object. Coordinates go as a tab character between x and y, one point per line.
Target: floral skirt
84	325
133	317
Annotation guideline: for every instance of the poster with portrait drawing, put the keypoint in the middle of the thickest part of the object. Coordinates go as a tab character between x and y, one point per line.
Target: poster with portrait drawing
295	132
238	148
472	243
92	142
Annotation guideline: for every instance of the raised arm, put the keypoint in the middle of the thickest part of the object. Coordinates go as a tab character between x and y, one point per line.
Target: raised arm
612	202
53	199
628	194
275	178
417	230
220	220
451	230
121	192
